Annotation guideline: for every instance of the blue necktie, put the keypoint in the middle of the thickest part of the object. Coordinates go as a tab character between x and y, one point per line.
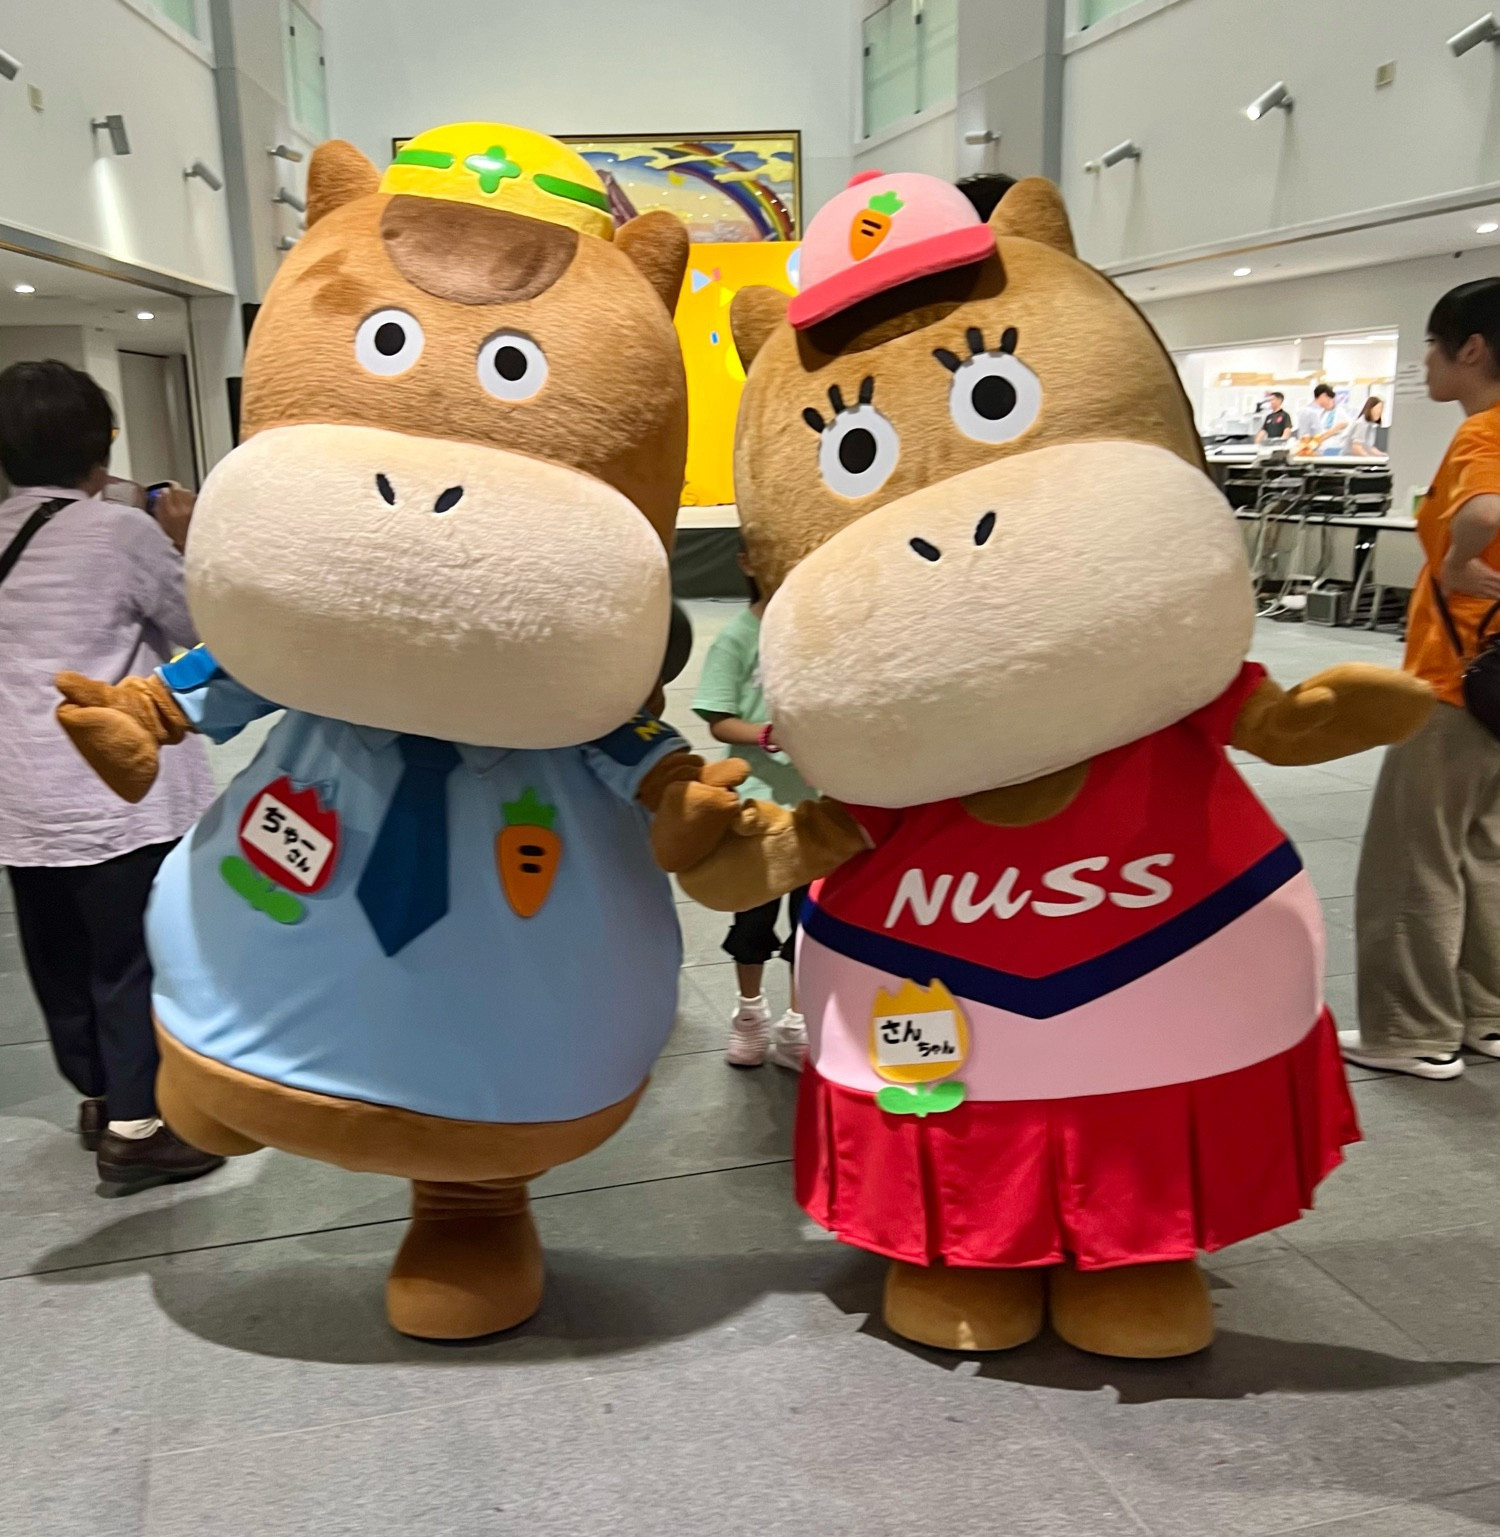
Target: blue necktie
404	888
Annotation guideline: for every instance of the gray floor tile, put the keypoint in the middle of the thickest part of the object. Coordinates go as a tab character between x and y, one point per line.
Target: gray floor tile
43	1496
1309	818
1302	1412
1332	864
707	1000
1475	1514
20	1018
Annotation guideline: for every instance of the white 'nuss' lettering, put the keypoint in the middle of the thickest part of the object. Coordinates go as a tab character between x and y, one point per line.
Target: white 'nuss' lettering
1142	888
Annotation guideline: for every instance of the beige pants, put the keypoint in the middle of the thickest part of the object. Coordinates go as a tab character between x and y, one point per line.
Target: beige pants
1427	903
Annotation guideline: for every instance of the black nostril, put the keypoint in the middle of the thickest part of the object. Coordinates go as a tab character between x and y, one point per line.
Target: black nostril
449	499
925	550
383	486
985	529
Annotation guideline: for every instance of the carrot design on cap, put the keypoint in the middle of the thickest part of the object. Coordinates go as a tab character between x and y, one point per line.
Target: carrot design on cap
872	224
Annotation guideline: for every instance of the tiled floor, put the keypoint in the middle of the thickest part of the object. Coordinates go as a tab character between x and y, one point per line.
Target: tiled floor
214	1359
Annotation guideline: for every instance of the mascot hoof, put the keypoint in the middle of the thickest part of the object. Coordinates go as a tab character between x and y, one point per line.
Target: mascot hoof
960	1309
461	1277
1141	1312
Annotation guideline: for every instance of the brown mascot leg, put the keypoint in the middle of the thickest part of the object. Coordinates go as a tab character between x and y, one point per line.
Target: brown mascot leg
471	1262
953	1308
175	1104
1143	1312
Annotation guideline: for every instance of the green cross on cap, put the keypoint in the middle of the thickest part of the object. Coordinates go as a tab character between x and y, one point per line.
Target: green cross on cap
492	168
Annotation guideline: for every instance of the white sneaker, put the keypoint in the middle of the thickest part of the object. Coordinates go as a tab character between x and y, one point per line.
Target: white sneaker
1448	1064
789	1041
749	1033
1485	1041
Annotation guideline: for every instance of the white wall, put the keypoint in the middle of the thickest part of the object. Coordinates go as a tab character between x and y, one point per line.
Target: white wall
1395	297
1178	82
598	66
928	145
91	58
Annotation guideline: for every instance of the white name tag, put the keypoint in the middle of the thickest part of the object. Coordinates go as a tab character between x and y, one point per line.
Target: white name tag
289	841
904	1040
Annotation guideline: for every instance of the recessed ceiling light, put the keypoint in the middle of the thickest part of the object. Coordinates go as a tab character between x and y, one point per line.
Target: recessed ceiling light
144	315
25	288
1487	228
1242	272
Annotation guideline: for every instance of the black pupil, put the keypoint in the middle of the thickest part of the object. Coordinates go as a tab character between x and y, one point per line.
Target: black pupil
510	363
390	339
857	450
994	397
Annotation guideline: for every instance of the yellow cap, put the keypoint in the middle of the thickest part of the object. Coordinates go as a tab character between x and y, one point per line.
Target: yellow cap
496	165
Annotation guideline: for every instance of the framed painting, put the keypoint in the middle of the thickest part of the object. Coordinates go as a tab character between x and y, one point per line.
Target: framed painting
723	186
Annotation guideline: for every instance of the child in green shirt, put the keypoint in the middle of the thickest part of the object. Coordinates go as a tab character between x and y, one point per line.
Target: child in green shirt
730	699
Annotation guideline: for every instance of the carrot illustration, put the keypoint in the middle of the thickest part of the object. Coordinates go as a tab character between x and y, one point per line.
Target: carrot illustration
872	224
527	852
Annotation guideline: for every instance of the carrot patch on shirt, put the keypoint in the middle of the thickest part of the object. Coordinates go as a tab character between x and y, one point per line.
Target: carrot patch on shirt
527	852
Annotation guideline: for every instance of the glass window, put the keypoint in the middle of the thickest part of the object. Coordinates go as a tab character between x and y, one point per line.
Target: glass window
1090	11
183	12
307	92
910	60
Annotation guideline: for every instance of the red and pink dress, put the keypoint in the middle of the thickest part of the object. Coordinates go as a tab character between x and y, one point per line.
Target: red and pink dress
1099	1038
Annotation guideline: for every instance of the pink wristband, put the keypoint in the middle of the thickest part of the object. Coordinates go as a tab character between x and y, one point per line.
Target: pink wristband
766	741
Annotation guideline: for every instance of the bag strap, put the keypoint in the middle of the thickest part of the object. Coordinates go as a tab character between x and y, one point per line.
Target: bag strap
1447	614
29	530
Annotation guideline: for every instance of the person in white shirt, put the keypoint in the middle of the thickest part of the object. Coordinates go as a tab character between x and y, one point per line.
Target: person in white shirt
1359	438
1319	421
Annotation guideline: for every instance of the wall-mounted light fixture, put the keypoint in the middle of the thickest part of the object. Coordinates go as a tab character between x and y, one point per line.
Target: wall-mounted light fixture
204	174
286	242
1277	98
1126	149
285	152
114	126
1485	30
289	200
10	65
25	288
981	136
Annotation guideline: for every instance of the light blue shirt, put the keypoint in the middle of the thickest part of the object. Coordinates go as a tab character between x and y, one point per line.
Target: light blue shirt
487	1015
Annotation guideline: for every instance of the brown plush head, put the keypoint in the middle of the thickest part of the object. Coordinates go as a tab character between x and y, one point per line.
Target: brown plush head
465	433
980	495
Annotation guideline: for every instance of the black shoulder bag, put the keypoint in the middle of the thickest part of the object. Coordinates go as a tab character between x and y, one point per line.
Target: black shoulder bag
1481	676
29	530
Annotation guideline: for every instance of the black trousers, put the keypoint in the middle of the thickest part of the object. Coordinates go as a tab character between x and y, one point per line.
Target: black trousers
752	938
82	930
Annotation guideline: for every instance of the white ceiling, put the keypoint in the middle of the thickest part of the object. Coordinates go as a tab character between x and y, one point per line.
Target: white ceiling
1272	262
70	296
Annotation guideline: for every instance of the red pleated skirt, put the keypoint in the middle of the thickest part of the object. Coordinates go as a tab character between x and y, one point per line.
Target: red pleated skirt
1107	1179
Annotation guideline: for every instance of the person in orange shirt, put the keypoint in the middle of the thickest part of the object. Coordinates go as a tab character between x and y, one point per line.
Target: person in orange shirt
1427	900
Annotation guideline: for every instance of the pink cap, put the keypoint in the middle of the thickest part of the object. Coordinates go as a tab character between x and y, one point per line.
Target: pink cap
881	231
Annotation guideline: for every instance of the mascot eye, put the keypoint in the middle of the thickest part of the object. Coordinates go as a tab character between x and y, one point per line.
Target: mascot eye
994	397
511	366
389	342
859	448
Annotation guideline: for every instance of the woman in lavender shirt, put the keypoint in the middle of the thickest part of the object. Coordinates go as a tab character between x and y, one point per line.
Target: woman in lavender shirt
98	589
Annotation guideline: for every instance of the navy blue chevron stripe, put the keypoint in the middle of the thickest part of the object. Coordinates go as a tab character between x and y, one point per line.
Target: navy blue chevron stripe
1044	997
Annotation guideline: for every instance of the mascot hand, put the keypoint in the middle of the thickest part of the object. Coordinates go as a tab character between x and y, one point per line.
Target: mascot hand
118	727
1338	712
695	812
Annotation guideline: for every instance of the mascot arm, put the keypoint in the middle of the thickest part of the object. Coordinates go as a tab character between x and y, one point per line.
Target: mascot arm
771	851
119	727
1335	713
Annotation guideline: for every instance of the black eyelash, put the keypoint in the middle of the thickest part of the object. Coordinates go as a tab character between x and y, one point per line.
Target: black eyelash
950	360
1009	339
975	338
836	400
867	389
813	419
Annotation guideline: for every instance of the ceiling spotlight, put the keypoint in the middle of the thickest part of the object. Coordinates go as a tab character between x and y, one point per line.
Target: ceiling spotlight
981	136
10	65
144	315
204	174
25	288
114	125
1485	30
1487	228
1126	149
1269	101
289	200
1243	272
285	152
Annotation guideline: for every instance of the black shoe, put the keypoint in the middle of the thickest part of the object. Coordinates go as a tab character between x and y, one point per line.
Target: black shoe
129	1164
91	1123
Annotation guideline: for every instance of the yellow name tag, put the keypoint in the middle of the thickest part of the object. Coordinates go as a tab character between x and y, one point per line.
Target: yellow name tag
917	1034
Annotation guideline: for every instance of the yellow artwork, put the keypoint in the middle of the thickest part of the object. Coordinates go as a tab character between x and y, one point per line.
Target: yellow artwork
716	272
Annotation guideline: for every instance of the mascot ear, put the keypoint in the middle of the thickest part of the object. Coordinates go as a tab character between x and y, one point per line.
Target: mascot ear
657	243
753	314
337	175
1033	210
